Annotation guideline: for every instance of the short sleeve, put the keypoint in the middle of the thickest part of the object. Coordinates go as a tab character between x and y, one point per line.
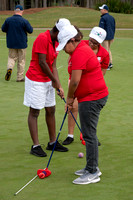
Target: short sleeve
41	45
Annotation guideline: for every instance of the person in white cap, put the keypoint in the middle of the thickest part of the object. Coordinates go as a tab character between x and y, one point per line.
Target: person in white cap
71	123
61	23
40	83
88	85
96	37
107	22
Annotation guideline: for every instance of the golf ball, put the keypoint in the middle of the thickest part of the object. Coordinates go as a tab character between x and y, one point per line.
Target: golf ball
80	155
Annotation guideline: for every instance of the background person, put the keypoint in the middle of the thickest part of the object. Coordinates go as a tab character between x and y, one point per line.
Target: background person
16	28
96	37
107	22
40	81
88	85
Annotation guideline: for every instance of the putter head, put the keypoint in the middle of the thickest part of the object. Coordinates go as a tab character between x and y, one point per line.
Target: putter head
42	173
83	142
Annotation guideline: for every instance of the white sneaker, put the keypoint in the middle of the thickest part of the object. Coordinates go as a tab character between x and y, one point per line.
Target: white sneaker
82	171
87	178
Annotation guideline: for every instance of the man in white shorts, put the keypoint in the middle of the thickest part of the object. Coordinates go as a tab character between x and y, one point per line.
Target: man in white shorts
41	79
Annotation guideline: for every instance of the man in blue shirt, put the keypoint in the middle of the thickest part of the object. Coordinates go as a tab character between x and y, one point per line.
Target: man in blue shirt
16	28
107	22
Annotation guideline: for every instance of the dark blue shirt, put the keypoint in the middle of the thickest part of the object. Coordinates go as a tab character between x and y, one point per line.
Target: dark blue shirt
107	22
16	28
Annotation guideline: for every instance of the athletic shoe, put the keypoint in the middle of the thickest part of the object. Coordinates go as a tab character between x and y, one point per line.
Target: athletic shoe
38	151
110	65
68	140
8	74
108	68
22	80
87	178
83	171
58	147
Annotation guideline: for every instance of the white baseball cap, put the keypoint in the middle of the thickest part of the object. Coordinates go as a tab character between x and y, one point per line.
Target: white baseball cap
65	35
61	23
98	34
104	6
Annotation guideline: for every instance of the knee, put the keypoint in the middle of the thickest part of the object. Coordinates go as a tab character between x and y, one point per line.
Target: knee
75	106
50	111
34	113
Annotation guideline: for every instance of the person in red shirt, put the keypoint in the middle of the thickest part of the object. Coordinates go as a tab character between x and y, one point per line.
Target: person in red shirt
40	81
88	86
96	37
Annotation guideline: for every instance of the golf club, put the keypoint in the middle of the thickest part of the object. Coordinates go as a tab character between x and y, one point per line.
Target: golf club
72	115
42	173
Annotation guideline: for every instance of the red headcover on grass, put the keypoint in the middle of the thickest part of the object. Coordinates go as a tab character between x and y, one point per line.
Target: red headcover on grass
42	173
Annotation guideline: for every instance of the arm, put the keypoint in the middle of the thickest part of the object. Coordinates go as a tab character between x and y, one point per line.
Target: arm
4	27
105	63
103	71
60	92
45	68
53	76
102	23
75	79
28	27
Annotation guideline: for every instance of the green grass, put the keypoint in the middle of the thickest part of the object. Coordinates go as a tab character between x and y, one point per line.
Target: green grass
17	166
82	17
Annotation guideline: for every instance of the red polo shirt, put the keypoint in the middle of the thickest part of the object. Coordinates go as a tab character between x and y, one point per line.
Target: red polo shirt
92	85
102	56
43	44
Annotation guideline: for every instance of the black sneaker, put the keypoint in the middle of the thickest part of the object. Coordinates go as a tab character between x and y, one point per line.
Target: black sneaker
38	151
58	147
68	140
108	68
8	74
110	65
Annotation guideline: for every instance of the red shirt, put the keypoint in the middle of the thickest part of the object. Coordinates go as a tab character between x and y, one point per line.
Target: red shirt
92	85
43	44
102	56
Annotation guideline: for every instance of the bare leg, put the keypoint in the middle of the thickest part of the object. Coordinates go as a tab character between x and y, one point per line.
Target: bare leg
33	127
71	122
50	120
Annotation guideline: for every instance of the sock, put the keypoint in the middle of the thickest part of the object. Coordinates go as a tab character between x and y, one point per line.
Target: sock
51	143
34	146
70	135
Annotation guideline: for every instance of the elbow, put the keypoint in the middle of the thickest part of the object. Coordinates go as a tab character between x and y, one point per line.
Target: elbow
41	63
75	84
31	31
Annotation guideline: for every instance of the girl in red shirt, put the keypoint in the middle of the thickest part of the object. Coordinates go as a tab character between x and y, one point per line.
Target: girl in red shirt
97	36
88	85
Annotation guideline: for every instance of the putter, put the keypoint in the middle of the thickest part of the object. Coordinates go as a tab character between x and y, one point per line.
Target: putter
72	115
42	173
74	118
